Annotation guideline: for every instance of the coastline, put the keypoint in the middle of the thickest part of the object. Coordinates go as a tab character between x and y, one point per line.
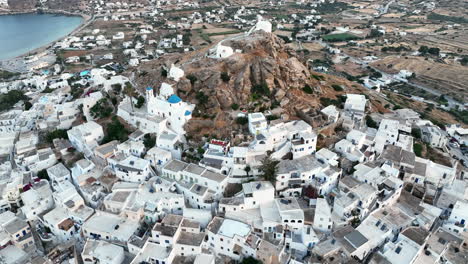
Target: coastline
86	19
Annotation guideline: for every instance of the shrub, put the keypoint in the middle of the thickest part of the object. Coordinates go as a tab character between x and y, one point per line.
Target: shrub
337	87
417	148
27	105
416	133
192	78
370	122
202	98
235	106
261	89
149	141
272	117
140	101
42	174
225	77
58	133
242	120
115	131
101	109
12	97
307	89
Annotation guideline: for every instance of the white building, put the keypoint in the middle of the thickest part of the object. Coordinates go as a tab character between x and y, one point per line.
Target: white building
331	113
225	234
58	174
355	106
98	251
457	221
257	123
164	112
322	219
133	169
434	136
221	51
158	157
37	200
85	137
176	73
61	225
107	226
254	194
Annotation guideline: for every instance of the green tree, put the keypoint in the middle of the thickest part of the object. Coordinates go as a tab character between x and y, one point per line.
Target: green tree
247	170
417	148
115	131
416	132
149	141
241	120
269	169
464	61
434	51
337	87
251	260
58	133
8	100
374	33
192	78
163	72
101	109
261	89
42	174
423	49
225	77
307	89
140	101
234	106
201	97
130	92
27	105
370	122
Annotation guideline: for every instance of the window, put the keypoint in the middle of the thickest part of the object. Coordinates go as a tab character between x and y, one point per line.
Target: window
398	250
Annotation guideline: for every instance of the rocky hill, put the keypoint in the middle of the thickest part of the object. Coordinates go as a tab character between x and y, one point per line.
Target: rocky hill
265	74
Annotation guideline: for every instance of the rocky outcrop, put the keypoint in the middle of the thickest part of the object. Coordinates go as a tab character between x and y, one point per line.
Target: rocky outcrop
216	84
264	59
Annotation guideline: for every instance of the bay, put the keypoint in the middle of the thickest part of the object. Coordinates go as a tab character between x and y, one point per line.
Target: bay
22	33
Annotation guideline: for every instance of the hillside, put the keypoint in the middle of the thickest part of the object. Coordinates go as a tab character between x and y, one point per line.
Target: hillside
266	75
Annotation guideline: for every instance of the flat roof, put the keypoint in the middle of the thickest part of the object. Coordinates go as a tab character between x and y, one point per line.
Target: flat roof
175	165
356	238
229	228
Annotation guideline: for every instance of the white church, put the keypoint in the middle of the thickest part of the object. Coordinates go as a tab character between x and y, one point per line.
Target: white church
163	113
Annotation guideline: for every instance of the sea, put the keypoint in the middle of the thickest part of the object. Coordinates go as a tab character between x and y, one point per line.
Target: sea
22	33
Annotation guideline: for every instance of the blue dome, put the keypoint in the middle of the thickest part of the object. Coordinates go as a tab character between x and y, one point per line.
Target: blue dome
149	88
174	99
84	73
187	113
